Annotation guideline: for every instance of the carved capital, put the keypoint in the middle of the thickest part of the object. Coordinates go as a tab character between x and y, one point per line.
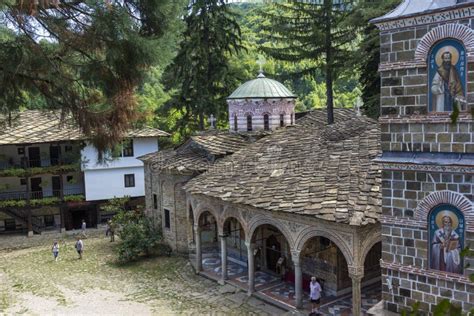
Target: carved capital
356	272
295	257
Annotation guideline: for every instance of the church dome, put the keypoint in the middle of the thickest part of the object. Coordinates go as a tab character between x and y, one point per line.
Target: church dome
261	88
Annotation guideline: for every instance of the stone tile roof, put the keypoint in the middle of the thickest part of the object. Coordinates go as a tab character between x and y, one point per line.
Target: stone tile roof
30	127
412	7
310	169
198	153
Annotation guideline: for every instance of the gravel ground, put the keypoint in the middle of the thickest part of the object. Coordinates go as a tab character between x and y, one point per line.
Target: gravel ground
32	283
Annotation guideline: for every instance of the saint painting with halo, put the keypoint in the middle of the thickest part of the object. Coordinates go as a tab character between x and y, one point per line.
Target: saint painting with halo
447	85
446	243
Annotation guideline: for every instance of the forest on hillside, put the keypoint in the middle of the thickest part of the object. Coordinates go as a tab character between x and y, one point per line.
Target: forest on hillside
171	64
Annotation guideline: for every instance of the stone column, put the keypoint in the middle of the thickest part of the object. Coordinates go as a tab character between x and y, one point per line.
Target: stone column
197	233
356	274
223	258
298	280
250	267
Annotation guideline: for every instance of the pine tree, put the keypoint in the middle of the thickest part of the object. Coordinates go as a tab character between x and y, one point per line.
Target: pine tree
314	31
200	72
367	57
86	58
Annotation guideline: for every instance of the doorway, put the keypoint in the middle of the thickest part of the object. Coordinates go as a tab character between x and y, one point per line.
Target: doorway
55	180
36	189
34	157
273	250
54	154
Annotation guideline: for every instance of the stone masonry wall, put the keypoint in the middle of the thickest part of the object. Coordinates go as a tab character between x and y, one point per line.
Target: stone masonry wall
405	241
404	79
170	195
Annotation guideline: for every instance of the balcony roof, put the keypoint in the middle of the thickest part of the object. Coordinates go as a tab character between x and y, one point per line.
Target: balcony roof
30	127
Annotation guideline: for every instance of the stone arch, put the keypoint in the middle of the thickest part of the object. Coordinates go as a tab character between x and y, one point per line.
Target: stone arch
367	246
339	241
446	197
459	32
202	208
263	220
228	216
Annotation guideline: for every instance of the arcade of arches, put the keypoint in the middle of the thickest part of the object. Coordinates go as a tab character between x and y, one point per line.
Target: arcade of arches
255	249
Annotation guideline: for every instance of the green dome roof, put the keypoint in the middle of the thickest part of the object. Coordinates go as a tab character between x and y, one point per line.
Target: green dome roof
261	88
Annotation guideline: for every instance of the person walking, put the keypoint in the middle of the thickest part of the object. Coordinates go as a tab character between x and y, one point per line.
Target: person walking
79	247
112	231
55	250
315	295
83	227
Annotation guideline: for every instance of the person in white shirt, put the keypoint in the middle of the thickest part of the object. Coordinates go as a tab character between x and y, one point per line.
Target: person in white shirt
315	295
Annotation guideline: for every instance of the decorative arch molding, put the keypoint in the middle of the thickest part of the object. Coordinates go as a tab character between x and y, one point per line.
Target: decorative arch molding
202	208
226	216
260	220
446	197
367	246
459	32
340	241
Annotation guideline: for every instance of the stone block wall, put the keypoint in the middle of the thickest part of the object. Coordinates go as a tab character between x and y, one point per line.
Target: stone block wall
403	68
436	134
406	240
168	188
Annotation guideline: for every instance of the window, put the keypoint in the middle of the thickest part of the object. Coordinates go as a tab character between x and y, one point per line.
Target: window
249	123
125	149
235	123
128	148
266	122
70	179
155	201
22	181
21	151
282	120
129	180
67	148
292	118
167	219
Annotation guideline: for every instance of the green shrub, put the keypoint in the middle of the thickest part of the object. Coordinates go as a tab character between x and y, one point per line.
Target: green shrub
138	236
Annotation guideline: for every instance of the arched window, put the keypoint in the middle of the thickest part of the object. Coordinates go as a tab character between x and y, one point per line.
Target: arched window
292	117
266	122
447	64
236	126
282	120
249	123
446	238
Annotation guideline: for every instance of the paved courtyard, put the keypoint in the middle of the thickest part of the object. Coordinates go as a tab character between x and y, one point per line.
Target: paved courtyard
270	286
32	283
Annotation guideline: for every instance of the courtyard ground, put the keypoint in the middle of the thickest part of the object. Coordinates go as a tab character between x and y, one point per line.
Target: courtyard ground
32	283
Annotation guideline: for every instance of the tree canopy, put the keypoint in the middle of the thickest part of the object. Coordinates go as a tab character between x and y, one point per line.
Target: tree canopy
85	58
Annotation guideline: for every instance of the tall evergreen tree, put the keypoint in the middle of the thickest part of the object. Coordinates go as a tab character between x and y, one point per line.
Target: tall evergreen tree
200	71
87	58
367	57
305	31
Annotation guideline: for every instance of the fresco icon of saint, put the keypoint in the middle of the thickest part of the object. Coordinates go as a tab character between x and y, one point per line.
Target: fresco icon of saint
447	74
447	239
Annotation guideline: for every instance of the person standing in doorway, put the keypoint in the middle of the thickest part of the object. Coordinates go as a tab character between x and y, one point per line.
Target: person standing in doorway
55	250
79	247
315	295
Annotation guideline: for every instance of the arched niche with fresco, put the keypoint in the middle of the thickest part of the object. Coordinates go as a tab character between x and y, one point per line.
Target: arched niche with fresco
447	70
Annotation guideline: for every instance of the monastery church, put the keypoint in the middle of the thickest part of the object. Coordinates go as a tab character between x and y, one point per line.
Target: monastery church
377	210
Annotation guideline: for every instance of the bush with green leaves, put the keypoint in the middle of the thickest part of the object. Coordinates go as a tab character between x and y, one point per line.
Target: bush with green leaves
138	236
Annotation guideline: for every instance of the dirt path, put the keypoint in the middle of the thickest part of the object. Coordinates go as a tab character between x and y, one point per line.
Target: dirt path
32	283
